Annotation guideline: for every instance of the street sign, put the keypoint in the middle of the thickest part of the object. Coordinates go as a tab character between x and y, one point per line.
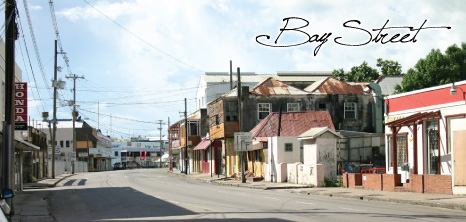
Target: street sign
243	141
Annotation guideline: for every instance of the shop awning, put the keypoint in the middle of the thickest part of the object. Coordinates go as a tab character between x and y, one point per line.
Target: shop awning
202	145
24	145
410	120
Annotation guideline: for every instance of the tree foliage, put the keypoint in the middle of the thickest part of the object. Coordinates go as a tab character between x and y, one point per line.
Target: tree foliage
365	73
436	69
389	67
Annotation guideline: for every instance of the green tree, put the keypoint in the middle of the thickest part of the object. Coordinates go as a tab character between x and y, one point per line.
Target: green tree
436	69
361	73
389	67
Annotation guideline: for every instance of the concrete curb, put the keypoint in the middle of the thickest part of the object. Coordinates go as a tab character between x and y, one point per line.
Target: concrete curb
451	206
368	197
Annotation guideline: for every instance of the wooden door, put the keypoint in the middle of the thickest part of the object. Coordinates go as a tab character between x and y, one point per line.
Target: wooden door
459	158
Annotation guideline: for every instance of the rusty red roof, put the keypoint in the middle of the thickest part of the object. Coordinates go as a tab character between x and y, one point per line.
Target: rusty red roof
331	85
292	123
271	86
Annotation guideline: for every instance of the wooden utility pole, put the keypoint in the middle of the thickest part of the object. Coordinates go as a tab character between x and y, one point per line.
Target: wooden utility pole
170	161
231	76
186	160
9	123
240	118
161	144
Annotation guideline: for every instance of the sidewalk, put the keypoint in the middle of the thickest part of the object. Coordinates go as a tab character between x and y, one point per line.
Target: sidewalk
32	203
454	202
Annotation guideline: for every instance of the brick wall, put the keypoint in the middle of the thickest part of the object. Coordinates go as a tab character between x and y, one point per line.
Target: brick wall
416	183
345	180
354	180
372	181
390	181
440	184
437	184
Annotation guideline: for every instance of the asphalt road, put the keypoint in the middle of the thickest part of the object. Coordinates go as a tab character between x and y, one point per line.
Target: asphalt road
154	195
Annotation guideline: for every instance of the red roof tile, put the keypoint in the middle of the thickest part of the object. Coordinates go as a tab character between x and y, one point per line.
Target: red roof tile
293	123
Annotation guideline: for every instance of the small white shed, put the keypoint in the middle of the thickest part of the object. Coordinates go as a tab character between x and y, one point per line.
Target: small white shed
320	147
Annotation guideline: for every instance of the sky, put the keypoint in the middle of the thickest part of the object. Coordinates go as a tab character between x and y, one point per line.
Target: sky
141	58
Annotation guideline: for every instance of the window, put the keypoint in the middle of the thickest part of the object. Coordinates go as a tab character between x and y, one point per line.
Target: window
263	110
193	131
116	153
288	147
390	147
217	120
401	150
67	143
324	106
231	111
61	143
432	147
350	111
292	107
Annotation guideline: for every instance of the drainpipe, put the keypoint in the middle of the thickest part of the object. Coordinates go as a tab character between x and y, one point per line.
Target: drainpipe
377	94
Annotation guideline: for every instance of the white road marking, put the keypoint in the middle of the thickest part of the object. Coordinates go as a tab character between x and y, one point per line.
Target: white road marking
429	219
351	209
175	202
306	203
243	194
271	198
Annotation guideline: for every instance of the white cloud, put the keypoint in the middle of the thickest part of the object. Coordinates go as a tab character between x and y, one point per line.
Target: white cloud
208	34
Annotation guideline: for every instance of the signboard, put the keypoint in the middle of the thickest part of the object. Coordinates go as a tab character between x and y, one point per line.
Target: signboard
83	154
21	106
243	141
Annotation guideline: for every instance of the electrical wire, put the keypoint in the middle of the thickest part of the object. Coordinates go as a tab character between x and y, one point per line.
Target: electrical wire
141	39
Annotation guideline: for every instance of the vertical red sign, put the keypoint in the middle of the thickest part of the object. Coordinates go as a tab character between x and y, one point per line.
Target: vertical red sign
21	106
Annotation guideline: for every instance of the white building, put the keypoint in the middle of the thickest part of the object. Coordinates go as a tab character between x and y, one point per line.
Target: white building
426	137
214	84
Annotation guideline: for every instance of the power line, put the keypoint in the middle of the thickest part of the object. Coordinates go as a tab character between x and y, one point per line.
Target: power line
141	39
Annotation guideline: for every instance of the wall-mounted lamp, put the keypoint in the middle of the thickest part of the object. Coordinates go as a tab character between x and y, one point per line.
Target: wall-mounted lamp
453	90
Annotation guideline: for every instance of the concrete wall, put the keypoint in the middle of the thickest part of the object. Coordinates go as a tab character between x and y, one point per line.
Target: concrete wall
277	153
250	107
363	121
306	174
322	150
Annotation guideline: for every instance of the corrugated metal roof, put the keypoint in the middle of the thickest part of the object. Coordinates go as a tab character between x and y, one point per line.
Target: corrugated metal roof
387	84
331	85
315	132
272	86
292	123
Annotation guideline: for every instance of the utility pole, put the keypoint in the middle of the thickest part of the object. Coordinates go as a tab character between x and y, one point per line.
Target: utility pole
240	118
9	123
170	146
231	76
186	136
161	144
74	77
54	129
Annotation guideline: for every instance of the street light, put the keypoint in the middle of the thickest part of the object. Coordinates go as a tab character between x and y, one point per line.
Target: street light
453	90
